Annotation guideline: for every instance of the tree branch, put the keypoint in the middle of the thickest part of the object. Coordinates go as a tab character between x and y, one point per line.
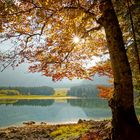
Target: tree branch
94	29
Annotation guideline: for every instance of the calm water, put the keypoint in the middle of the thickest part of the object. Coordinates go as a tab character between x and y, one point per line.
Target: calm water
15	112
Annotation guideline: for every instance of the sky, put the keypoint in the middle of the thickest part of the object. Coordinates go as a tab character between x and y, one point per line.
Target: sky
21	77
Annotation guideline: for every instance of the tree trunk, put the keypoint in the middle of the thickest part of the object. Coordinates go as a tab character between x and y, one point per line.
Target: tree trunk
125	125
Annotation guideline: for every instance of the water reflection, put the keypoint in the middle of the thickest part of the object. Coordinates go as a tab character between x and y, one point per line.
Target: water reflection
27	102
94	108
83	103
89	103
34	102
54	111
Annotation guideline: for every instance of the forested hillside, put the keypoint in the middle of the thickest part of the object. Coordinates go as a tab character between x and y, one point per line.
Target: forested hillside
84	91
9	92
43	90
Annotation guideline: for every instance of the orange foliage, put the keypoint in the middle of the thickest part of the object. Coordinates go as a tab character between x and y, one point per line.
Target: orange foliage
103	68
43	32
105	92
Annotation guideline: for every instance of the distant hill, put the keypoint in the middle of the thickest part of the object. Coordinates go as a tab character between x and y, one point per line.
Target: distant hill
43	90
97	80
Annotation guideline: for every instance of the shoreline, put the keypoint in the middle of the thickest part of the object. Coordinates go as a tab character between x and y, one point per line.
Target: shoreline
21	124
70	131
36	97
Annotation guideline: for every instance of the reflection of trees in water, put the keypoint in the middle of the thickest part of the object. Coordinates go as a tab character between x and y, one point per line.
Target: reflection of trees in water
6	102
98	113
30	102
89	103
61	100
35	102
92	107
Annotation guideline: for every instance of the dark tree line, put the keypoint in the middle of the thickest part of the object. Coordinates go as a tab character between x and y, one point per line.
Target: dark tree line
43	90
84	91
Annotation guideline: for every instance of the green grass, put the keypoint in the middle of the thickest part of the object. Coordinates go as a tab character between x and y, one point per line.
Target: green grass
60	92
68	132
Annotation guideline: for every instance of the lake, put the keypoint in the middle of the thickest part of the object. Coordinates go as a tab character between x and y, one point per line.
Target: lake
15	112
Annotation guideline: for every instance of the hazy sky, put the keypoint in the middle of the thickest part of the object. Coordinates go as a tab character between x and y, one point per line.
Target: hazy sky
21	77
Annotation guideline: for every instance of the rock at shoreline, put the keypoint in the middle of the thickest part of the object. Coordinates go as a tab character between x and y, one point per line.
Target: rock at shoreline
43	123
29	123
81	121
83	130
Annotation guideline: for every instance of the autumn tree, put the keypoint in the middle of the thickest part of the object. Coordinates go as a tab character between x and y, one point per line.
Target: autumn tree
60	38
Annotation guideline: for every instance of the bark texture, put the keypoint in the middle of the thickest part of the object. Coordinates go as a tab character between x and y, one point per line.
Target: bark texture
125	125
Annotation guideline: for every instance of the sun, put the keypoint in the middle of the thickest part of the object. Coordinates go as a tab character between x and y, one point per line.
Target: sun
76	39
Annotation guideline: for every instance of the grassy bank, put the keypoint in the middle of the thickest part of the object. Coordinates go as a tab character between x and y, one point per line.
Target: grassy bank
18	97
